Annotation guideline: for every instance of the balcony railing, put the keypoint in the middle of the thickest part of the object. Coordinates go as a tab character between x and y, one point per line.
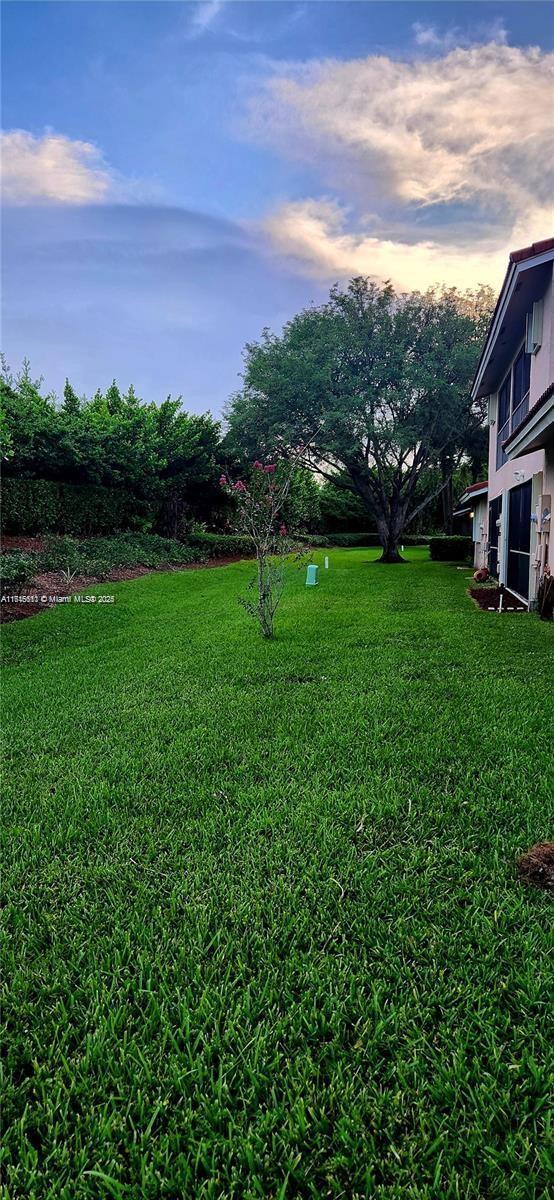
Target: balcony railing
519	414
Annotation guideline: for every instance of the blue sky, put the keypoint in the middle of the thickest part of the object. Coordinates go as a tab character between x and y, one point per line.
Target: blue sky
177	176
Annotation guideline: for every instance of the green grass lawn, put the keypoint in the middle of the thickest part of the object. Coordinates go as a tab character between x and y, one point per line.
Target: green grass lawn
264	935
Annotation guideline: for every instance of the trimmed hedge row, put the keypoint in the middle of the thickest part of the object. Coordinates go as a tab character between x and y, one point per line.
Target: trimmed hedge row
350	540
451	549
38	506
221	545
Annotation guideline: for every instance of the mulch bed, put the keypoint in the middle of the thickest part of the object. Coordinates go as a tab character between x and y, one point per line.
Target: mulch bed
26	544
50	584
489	597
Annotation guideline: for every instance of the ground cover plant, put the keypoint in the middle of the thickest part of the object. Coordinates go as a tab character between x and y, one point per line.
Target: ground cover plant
95	557
265	935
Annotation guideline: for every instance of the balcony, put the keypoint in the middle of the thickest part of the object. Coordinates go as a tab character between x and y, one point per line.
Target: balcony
519	414
535	431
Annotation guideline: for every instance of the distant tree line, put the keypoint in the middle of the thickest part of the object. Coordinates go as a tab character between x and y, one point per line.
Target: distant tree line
165	459
375	386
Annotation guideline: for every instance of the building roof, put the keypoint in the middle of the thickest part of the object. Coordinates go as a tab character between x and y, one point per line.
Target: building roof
519	260
476	487
517	256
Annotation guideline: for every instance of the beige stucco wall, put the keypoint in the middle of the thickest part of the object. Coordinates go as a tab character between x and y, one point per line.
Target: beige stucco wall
542	374
537	466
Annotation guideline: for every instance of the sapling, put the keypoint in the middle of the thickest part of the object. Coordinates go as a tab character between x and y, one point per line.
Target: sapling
259	517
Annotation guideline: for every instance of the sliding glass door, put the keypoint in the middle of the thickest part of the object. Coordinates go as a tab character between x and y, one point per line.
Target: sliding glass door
495	509
519	539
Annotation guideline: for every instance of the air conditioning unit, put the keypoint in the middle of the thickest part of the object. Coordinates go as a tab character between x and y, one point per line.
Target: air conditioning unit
533	328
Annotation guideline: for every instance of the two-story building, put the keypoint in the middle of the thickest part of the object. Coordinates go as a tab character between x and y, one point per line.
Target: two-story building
516	373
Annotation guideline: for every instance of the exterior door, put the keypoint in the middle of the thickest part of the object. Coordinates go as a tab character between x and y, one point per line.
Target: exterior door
519	539
495	509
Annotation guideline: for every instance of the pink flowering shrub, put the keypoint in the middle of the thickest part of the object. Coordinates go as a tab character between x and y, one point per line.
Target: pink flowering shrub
258	517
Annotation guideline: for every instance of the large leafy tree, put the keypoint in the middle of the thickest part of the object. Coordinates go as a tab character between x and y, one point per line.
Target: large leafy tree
375	385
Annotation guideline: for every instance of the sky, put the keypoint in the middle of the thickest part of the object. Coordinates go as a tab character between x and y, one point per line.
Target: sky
178	176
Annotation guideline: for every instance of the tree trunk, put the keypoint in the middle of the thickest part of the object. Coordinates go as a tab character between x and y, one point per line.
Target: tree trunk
390	524
447	497
389	539
391	554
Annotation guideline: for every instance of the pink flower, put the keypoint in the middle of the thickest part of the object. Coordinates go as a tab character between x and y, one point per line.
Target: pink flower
258	466
283	530
222	480
239	486
270	468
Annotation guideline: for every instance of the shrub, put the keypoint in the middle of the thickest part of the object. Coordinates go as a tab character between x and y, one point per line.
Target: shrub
16	571
61	554
99	556
31	506
451	549
221	545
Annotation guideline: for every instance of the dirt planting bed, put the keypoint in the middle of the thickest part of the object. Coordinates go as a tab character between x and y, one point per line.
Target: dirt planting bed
489	598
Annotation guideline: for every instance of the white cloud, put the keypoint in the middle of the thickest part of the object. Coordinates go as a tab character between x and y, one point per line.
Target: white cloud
204	16
430	37
316	234
52	169
440	139
426	35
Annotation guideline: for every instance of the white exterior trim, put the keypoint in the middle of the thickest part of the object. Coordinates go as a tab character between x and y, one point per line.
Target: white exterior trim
514	271
469	496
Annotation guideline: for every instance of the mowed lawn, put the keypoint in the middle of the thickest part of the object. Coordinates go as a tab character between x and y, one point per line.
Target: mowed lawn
264	935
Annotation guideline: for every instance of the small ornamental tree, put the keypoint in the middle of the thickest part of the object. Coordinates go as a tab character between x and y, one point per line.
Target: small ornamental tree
259	517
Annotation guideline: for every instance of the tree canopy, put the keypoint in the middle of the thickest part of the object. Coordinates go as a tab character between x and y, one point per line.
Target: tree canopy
167	458
376	385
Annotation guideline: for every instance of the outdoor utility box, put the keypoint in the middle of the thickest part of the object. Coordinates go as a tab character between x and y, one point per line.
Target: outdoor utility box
545	508
311	575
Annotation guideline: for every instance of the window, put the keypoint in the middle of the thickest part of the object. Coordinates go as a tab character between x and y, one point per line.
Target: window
520	391
533	328
513	402
503	423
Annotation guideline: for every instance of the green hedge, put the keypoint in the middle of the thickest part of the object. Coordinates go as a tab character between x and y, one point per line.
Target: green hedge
38	506
221	545
347	541
451	549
